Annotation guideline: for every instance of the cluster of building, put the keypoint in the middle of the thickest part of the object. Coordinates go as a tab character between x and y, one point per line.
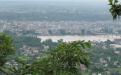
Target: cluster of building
61	27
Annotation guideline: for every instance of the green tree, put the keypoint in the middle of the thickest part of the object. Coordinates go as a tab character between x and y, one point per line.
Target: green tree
115	8
63	60
6	49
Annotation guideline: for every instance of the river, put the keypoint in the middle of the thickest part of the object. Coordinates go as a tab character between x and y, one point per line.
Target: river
69	38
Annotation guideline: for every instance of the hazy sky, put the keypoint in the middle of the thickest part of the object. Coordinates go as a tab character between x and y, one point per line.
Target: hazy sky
62	0
85	1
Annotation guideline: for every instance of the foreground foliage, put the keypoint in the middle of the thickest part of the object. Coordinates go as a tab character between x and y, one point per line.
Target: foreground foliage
115	8
65	59
6	49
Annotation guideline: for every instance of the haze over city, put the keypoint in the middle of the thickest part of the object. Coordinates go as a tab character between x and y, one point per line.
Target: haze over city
60	37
